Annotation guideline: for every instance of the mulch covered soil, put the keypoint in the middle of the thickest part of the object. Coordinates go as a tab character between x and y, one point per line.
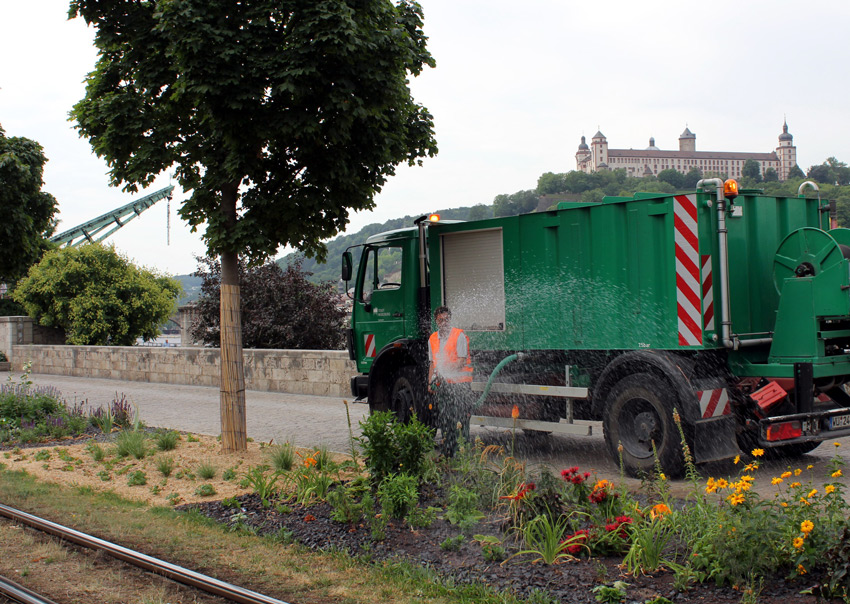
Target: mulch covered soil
571	581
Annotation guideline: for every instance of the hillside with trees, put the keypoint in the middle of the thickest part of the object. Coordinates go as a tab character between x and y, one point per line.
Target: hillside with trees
832	176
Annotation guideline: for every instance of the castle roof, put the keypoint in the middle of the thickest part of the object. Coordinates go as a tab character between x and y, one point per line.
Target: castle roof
687	134
660	153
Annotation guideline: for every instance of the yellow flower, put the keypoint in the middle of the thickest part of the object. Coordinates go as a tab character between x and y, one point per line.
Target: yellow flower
776	481
785	475
757	452
662	476
737	459
809	467
812	493
836	474
801	569
804	501
837	444
751	467
784	504
722	483
798	543
797	472
710	485
806	527
794	485
747	478
736	498
828	489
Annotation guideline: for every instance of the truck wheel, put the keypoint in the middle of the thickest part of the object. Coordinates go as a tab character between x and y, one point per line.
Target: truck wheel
638	413
405	397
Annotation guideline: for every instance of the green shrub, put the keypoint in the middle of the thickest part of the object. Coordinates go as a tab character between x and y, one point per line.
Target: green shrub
282	457
207	470
391	447
398	493
463	507
166	440
131	443
96	451
452	544
165	465
205	490
137	478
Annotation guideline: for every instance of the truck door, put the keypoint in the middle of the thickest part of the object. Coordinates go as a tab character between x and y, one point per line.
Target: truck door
379	304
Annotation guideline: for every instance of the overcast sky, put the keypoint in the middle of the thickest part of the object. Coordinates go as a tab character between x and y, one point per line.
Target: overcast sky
516	86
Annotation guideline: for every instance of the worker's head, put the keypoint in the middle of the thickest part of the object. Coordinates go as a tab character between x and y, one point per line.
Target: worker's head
443	318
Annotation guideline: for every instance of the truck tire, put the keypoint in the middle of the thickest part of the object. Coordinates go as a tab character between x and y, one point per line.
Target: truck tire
638	412
405	397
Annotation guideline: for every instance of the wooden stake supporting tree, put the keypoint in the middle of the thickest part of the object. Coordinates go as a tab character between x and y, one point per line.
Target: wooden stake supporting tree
277	117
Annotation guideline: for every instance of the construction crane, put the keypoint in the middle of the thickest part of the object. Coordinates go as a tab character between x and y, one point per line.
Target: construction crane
91	231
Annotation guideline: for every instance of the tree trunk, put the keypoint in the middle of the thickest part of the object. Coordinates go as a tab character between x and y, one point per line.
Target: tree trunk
234	435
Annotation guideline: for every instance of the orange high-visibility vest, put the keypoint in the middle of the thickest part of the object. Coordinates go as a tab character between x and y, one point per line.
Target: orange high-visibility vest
449	356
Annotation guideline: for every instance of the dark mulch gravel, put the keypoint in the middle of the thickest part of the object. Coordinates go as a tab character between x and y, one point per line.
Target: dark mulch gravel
568	582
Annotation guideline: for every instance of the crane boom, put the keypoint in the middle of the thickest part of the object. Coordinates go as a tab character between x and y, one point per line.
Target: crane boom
91	231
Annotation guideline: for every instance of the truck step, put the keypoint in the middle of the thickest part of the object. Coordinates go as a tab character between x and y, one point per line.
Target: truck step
584	428
562	391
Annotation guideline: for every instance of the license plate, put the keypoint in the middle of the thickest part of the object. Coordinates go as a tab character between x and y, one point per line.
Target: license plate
839	421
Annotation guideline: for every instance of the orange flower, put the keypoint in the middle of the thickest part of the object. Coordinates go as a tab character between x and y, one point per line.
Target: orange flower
310	461
806	527
515	412
659	511
798	543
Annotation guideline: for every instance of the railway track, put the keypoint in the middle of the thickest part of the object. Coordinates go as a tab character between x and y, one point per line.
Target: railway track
199	581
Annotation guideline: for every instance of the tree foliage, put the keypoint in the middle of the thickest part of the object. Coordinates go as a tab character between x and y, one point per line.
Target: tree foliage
97	296
752	170
27	211
279	117
280	308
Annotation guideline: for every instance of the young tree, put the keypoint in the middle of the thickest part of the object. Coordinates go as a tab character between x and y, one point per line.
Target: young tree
770	175
280	308
279	116
97	296
796	172
751	170
27	211
673	177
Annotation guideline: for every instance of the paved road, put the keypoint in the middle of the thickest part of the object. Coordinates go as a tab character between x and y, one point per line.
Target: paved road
310	421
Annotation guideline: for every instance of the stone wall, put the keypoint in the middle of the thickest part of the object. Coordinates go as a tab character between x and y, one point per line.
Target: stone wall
320	372
23	330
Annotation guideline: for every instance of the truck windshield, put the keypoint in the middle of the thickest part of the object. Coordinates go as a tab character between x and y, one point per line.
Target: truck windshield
383	270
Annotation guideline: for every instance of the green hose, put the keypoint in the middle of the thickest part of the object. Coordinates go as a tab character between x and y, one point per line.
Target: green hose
496	370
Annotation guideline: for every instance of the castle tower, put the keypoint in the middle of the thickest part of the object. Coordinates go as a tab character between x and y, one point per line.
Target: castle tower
584	157
687	141
786	152
599	149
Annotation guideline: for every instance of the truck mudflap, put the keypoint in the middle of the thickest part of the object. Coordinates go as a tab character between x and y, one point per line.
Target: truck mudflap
803	427
716	425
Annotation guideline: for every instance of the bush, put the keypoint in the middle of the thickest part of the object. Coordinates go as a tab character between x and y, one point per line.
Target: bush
282	457
166	440
392	447
398	494
131	443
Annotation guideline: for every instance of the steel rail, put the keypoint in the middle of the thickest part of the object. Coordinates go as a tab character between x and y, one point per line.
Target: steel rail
172	571
21	594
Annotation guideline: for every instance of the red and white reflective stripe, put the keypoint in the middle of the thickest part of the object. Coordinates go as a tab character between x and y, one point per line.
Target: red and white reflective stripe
688	294
707	294
714	403
370	345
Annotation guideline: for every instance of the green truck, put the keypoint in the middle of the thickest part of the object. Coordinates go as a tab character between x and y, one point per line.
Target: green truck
731	308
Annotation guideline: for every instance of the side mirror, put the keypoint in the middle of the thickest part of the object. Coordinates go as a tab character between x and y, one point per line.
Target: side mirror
346	266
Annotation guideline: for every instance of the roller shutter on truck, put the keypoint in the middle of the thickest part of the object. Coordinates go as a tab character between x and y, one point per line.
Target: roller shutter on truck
474	279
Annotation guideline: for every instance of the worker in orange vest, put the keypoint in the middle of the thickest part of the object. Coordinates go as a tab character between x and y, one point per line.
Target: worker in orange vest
450	379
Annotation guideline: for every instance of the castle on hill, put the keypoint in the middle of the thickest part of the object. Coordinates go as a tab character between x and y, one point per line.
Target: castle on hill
652	160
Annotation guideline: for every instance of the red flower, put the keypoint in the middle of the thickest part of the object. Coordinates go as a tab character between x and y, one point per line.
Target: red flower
577	540
309	518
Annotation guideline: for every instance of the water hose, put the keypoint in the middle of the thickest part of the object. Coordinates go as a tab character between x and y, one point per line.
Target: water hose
495	372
